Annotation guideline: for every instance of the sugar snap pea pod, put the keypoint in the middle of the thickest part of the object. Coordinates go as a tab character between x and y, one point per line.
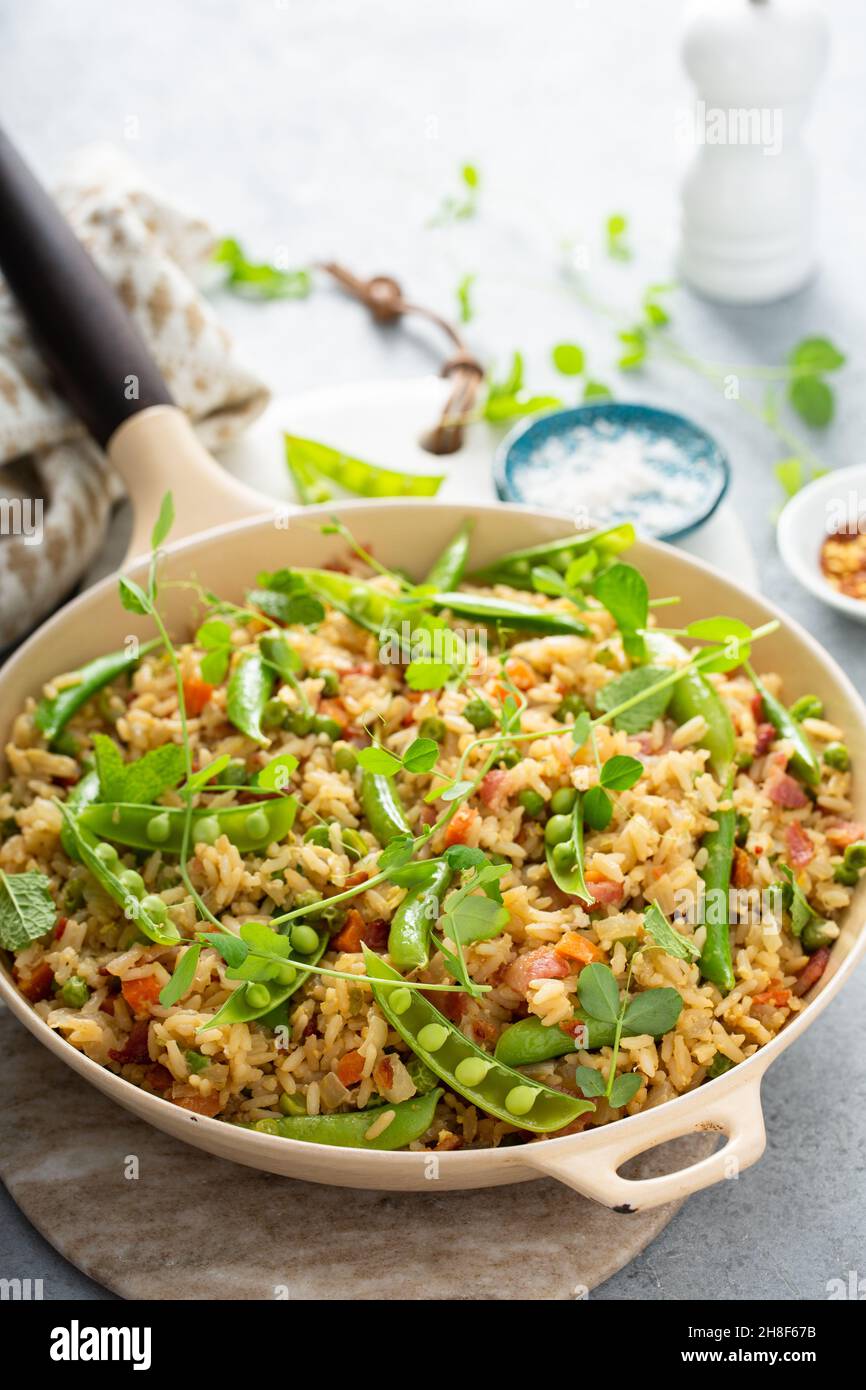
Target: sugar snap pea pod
411	1119
249	828
563	848
449	568
249	689
694	695
263	1000
804	763
530	1041
382	807
84	793
486	608
515	568
357	475
102	862
52	715
467	1069
409	937
366	605
716	963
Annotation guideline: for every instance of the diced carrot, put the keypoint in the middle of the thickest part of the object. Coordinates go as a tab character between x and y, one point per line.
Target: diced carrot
196	694
775	994
37	985
350	1068
334	709
352	934
520	673
741	875
141	993
60	928
460	825
576	947
200	1105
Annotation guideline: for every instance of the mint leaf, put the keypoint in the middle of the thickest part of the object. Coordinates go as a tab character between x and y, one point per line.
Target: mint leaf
27	909
625	687
625	594
657	926
110	768
148	777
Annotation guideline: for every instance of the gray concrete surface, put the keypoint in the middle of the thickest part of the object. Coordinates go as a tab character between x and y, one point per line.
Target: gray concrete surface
335	128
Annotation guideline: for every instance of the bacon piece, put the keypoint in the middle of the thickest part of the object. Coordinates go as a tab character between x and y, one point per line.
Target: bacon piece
845	832
383	1075
453	1006
60	928
352	934
775	993
757	704
158	1078
800	848
765	737
784	791
491	790
200	1105
141	993
811	973
601	889
37	985
541	964
376	934
448	1141
134	1048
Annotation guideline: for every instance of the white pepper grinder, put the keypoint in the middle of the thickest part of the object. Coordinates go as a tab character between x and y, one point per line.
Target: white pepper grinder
748	199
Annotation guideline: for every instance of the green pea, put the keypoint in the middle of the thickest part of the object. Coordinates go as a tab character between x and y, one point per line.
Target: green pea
843	873
298	722
400	1000
836	755
329	727
354	843
557	830
432	1036
267	1126
292	1105
479	714
304	939
532	802
234	774
508	757
257	824
433	728
158	828
562	801
563	855
206	831
332	916
569	707
345	757
285	973
719	1065
196	1061
330	681
257	996
75	993
855	855
274	713
471	1071
815	934
807	707
107	855
520	1100
318	835
155	908
133	882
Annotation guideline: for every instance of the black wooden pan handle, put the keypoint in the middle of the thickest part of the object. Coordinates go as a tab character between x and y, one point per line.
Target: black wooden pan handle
94	350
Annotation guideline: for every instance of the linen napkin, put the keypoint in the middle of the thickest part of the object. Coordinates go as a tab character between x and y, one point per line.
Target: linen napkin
56	487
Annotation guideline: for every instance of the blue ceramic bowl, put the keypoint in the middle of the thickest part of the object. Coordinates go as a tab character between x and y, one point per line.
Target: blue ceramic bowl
610	462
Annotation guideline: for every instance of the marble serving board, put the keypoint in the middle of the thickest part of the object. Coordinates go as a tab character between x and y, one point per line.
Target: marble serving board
149	1217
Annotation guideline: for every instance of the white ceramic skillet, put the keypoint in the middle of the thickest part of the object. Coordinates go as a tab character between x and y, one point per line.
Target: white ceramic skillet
154	448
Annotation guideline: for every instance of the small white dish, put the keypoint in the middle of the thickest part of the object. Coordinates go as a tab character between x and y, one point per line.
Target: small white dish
832	503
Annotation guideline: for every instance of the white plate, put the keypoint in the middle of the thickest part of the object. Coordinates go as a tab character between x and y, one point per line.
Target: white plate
831	503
